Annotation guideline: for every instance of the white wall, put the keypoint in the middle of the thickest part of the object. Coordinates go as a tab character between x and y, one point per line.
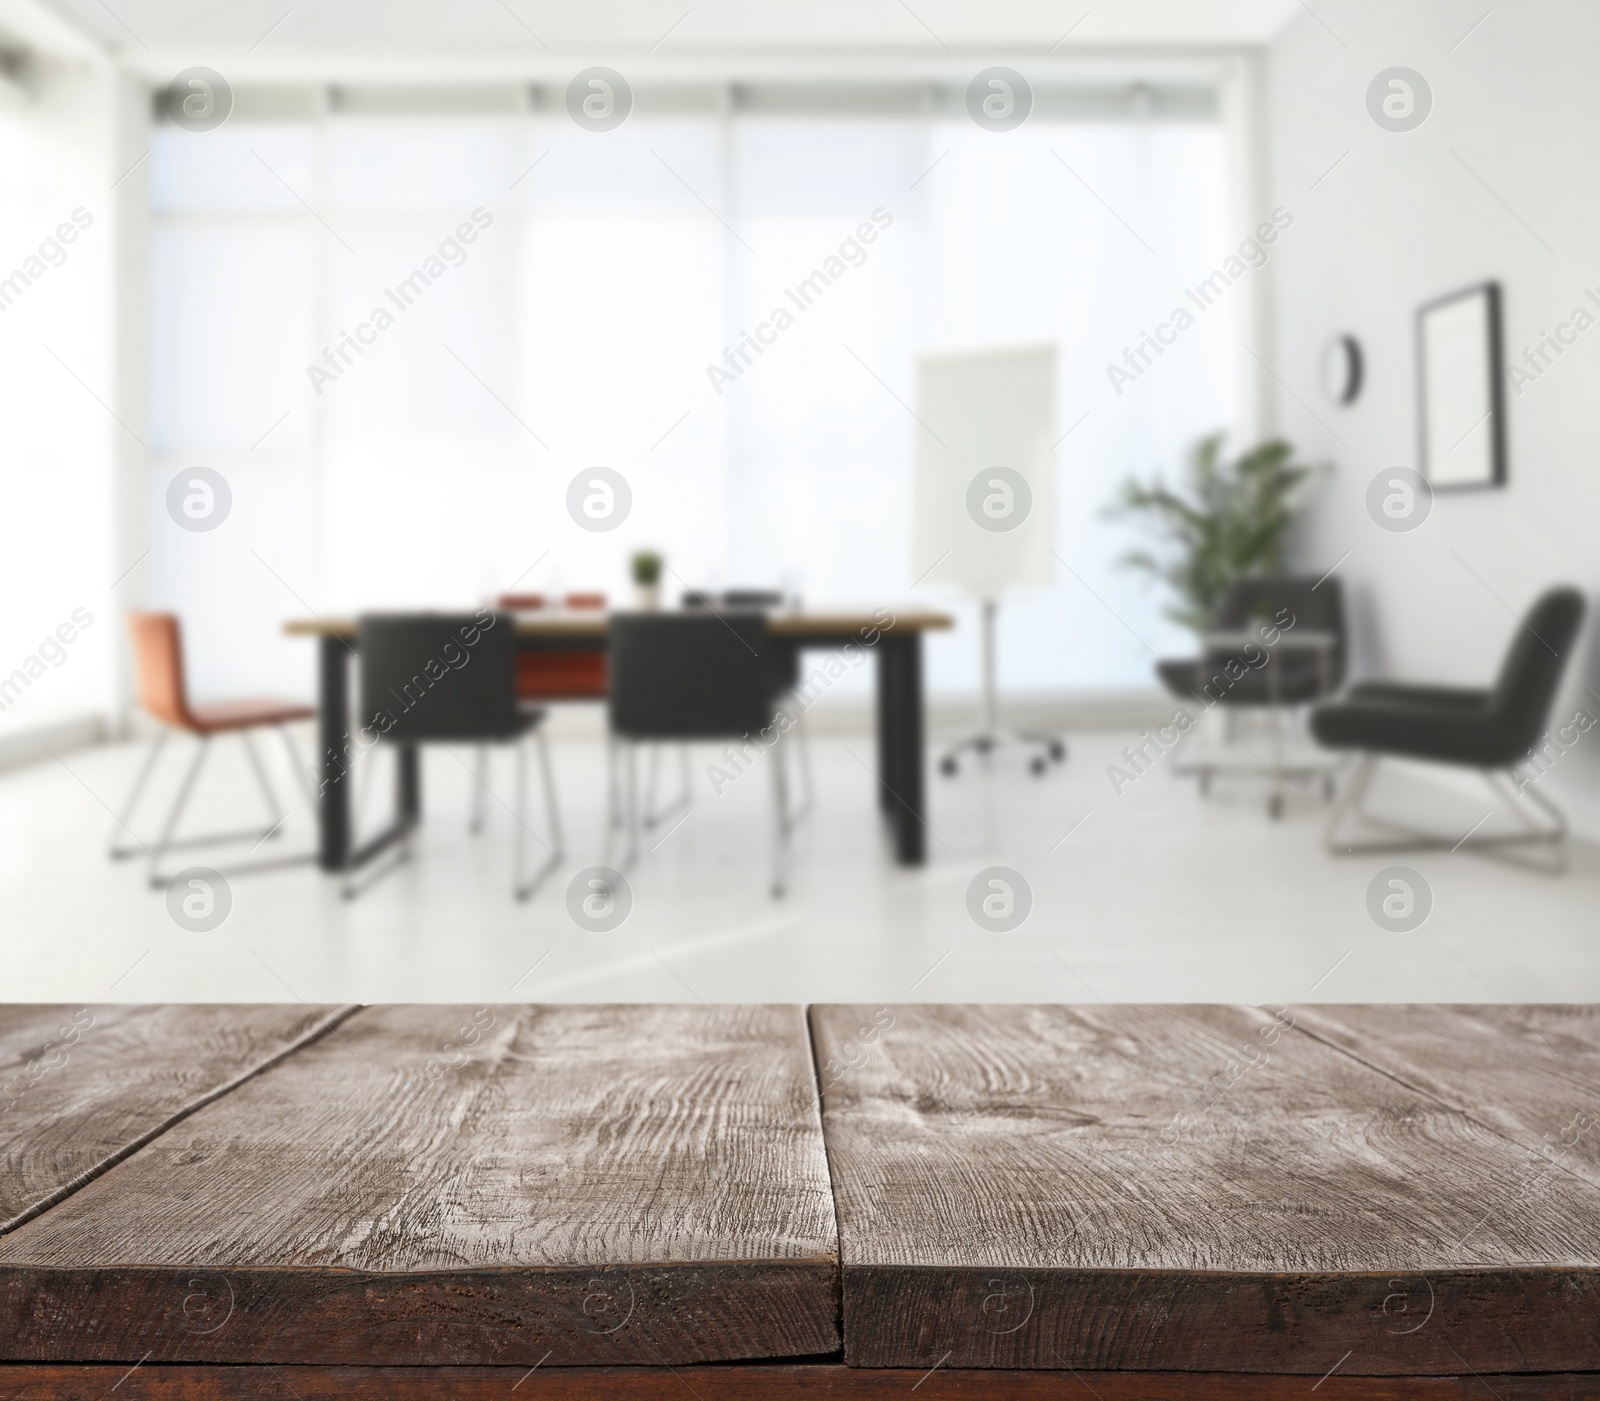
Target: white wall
1497	183
56	362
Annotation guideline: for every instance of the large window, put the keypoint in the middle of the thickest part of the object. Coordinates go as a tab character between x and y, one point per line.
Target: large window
60	614
394	439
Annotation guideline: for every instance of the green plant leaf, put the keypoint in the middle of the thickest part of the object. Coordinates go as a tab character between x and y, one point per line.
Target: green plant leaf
1224	520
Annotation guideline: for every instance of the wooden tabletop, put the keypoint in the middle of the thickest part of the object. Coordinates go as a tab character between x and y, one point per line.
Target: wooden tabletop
445	1184
86	1086
1381	1191
1533	1073
1211	1187
841	625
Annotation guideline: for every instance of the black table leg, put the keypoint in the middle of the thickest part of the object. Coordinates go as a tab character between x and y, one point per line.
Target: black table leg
885	716
408	785
900	744
338	754
332	717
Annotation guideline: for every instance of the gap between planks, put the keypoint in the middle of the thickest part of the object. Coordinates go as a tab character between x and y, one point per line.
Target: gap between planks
1463	1109
148	1136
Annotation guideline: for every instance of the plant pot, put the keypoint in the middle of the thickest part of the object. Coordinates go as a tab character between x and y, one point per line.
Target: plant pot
647	597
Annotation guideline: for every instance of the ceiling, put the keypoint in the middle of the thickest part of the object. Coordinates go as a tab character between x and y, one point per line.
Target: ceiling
147	32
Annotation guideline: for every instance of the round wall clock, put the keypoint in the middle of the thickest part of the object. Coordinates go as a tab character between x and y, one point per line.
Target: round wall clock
1341	369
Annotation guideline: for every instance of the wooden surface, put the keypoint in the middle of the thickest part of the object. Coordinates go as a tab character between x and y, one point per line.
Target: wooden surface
81	1087
581	1185
1532	1073
1148	1202
842	625
768	1382
1195	1188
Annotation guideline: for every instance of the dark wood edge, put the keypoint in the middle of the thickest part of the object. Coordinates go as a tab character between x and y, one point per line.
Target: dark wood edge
1502	1320
682	1314
764	1382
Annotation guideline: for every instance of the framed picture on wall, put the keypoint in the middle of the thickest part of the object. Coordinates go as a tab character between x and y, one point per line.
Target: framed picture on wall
1461	389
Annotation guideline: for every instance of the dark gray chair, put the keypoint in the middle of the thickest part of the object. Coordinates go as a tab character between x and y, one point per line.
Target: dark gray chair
1489	730
1292	675
784	668
697	675
1238	670
430	678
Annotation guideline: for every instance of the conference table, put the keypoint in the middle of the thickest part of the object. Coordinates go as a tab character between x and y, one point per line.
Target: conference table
894	636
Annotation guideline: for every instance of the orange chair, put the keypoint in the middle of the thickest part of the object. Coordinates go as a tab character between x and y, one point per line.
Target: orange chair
163	695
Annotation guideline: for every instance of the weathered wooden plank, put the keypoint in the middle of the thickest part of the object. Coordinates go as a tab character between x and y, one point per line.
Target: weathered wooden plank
749	1382
1531	1072
581	1185
82	1087
1193	1188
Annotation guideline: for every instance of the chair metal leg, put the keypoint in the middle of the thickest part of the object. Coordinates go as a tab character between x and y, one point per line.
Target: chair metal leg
614	815
1202	754
552	808
480	790
520	823
121	853
369	764
364	872
295	765
263	781
1554	835
613	803
525	888
164	841
168	841
361	879
1557	831
650	787
1407	838
1350	799
780	822
654	816
632	853
806	784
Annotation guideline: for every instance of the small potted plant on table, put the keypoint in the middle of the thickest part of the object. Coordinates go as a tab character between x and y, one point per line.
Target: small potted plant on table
647	578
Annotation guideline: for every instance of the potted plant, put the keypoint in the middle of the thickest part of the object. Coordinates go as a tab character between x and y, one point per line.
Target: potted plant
1227	520
647	578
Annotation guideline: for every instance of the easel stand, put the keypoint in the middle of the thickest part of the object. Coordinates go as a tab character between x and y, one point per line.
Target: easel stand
992	736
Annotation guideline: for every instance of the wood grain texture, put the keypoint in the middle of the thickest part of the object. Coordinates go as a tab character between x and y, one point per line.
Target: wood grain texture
1532	1072
1193	1188
641	1184
768	1382
83	1086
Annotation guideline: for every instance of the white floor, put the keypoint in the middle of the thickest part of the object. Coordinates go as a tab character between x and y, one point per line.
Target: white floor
1155	895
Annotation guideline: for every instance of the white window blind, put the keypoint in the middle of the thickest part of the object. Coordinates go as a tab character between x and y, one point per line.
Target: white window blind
428	459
